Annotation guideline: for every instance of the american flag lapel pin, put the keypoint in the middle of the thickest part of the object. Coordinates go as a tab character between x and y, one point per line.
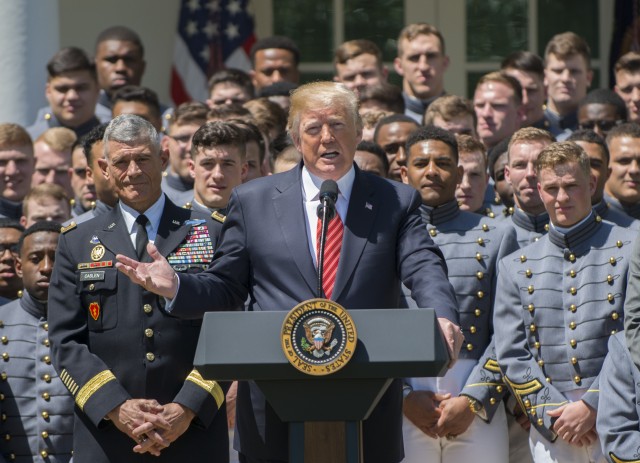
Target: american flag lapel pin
368	206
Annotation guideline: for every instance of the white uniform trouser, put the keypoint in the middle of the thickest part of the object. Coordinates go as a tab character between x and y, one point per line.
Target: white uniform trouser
481	442
560	451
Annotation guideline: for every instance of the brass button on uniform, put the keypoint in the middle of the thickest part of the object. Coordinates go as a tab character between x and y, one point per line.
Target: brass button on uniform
532	327
574	360
148	333
612	260
485	227
7	437
477	312
577	379
540	421
472	329
615	315
46	396
1	397
598	219
528	273
46	326
530	289
47	378
613	332
573	291
499	389
492	401
573	308
46	359
433	232
523	258
45	415
480	241
572	325
610	297
572	273
150	356
573	343
609	278
527	403
479	275
619	243
480	294
478	256
92	287
44	453
44	434
546	227
469	347
536	344
572	257
46	343
4	339
147	308
5	356
3	376
548	380
530	307
541	362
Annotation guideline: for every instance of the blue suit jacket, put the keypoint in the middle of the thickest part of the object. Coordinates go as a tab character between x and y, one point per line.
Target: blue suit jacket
264	255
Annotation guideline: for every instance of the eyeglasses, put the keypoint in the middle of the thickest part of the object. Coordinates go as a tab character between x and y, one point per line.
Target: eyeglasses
11	247
604	126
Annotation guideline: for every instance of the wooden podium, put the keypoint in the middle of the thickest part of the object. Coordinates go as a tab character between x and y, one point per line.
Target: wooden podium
392	343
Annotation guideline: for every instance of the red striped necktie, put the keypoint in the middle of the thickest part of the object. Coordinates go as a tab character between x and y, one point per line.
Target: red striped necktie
332	247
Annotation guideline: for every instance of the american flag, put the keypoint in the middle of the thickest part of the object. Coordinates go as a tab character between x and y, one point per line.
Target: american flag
212	35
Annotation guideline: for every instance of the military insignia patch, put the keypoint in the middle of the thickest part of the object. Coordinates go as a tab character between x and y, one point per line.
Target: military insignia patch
196	248
94	310
94	240
97	252
318	337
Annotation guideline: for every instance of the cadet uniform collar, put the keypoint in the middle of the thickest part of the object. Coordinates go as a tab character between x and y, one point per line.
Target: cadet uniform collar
10	209
33	306
631	210
576	235
601	208
441	214
177	183
536	223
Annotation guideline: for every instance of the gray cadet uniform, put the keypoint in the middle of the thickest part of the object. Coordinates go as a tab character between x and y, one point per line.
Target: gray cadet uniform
558	301
529	228
618	421
46	120
472	246
632	211
10	210
37	409
178	191
99	209
604	210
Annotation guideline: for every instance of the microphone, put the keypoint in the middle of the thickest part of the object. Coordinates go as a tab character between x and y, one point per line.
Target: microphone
326	212
328	198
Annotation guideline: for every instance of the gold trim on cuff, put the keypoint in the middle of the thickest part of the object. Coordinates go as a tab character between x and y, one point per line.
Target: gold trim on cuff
212	387
92	386
615	459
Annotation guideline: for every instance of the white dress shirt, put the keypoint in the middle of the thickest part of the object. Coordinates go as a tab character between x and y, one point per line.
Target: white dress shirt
154	213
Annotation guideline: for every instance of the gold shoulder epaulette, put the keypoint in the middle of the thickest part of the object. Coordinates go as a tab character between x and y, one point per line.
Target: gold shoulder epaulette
215	215
69	227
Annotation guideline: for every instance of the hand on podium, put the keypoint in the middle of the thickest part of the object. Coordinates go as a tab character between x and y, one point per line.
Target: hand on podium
453	337
157	276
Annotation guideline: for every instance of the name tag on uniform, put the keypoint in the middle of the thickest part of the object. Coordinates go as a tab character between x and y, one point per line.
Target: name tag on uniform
92	276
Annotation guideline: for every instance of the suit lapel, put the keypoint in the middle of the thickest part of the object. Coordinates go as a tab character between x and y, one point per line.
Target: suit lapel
171	231
114	234
362	210
291	216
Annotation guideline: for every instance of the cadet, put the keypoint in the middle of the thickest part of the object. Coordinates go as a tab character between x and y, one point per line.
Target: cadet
218	165
37	421
529	216
435	408
558	300
126	362
618	420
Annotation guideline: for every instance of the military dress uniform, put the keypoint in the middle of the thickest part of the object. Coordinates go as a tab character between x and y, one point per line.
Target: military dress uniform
472	245
529	228
558	301
560	127
112	340
632	211
10	210
618	419
47	120
610	214
98	208
178	191
37	409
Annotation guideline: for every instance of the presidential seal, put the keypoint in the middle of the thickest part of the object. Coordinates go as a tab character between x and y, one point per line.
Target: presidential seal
318	337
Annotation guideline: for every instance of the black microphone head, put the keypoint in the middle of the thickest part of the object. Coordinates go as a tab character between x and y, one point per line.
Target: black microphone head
329	190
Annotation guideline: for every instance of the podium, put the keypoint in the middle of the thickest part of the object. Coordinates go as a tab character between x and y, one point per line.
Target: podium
392	343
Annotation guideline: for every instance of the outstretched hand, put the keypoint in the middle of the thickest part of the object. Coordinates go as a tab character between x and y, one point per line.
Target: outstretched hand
157	276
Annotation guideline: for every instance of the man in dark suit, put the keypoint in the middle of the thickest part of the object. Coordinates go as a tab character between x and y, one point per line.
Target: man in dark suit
268	255
125	361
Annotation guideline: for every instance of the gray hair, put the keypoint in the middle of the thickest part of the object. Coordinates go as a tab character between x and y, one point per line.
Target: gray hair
131	130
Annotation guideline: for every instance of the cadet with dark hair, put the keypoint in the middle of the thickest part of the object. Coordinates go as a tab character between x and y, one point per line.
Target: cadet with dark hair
392	133
141	101
274	59
229	86
72	93
370	157
452	113
384	97
437	410
358	64
528	69
497	159
598	153
10	282
601	110
627	73
38	409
